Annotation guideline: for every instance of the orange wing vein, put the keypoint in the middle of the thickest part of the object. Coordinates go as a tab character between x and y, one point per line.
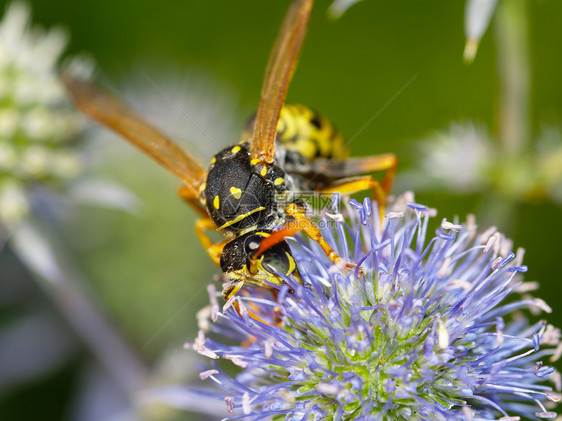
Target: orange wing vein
123	119
278	74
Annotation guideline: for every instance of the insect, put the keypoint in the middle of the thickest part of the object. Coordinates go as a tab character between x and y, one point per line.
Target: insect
247	190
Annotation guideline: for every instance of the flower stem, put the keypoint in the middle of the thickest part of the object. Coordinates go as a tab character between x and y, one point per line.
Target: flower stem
38	246
514	75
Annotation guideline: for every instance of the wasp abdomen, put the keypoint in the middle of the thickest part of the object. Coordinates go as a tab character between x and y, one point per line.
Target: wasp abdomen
303	130
306	135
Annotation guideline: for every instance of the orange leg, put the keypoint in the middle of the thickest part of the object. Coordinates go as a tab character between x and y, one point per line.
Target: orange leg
357	184
236	306
214	249
388	179
368	164
385	162
302	222
276	317
253	311
192	200
346	171
351	167
203	224
233	292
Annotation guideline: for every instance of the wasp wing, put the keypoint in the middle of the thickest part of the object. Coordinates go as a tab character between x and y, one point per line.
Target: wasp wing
340	168
278	74
123	119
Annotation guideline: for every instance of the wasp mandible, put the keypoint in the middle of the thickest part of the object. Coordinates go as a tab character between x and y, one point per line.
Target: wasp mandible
247	190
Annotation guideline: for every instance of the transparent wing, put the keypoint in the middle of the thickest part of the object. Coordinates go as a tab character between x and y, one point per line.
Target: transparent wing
335	168
278	74
123	119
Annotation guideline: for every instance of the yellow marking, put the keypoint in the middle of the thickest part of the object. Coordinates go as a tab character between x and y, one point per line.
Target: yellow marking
258	264
237	288
255	161
213	160
239	217
292	264
263	171
216	202
236	192
278	181
257	278
235	149
301	135
265	234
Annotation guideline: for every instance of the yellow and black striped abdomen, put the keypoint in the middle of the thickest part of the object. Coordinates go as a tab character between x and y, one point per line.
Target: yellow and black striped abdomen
304	131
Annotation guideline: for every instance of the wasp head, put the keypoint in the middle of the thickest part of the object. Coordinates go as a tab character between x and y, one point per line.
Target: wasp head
239	266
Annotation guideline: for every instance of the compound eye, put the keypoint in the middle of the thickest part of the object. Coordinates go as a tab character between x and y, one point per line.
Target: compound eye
252	244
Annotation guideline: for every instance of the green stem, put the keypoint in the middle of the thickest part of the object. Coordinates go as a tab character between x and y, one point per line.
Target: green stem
514	74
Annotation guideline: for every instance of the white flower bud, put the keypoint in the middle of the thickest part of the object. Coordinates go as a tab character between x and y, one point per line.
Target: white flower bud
9	122
8	158
35	161
13	203
65	164
37	124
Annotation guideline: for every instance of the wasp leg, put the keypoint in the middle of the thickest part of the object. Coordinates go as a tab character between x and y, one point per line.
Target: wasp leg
386	162
302	222
203	224
187	194
350	167
213	249
235	304
234	291
276	322
357	184
383	162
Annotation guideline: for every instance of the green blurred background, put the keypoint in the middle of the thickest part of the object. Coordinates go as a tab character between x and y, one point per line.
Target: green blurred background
148	270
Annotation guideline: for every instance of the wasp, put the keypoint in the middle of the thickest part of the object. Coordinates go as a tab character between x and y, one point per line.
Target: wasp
246	192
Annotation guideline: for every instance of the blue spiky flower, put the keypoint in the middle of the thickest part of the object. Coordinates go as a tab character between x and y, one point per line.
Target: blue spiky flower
427	327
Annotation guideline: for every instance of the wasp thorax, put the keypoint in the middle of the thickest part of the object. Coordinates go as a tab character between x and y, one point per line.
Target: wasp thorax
240	192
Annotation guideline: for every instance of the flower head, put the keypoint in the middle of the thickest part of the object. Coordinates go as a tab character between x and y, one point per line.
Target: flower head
460	159
465	158
429	327
37	122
